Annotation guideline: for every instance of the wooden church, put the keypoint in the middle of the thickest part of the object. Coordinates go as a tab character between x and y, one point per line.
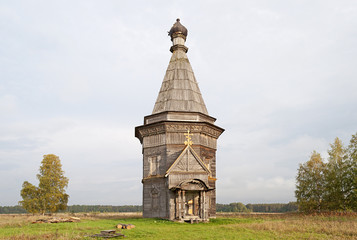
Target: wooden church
179	143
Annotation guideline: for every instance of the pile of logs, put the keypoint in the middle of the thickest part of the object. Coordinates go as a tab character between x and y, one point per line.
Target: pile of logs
125	226
58	220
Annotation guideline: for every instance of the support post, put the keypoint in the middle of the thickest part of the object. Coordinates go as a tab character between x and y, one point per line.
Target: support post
178	209
204	205
176	204
183	204
201	204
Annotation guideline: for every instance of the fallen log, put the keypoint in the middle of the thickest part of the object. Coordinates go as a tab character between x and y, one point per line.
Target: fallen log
125	226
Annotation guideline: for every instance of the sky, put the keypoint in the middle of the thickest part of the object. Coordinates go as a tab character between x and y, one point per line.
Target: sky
76	77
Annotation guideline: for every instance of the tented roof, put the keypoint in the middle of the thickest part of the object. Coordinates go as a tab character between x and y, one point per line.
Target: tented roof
179	90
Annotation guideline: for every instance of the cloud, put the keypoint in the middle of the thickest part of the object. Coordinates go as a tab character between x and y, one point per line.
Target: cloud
261	166
8	104
94	156
278	76
276	182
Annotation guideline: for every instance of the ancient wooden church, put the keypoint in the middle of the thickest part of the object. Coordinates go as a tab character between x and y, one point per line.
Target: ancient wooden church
179	143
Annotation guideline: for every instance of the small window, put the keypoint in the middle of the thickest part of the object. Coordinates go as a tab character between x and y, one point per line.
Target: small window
154	165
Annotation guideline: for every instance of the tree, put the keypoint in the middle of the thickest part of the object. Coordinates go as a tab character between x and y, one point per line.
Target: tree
50	195
238	207
337	178
310	184
352	173
334	184
30	196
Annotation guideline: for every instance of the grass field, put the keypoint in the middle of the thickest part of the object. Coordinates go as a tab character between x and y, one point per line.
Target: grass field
225	226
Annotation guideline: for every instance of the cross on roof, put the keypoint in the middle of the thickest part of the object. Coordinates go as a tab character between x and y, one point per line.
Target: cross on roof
188	138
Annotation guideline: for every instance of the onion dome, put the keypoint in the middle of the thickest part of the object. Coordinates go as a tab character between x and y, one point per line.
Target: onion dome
178	30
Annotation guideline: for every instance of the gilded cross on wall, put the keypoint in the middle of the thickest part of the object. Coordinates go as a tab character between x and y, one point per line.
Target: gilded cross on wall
188	138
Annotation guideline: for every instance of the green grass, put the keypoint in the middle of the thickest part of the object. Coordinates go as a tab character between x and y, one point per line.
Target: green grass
251	226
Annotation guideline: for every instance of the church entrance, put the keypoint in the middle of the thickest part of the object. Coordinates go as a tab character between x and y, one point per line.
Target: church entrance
190	205
191	201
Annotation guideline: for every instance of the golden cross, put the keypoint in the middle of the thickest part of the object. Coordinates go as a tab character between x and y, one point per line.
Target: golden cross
188	138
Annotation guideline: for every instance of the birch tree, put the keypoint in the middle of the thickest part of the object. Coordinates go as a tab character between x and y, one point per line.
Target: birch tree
310	184
50	195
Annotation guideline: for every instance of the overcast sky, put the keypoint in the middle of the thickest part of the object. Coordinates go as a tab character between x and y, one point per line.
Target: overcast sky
76	77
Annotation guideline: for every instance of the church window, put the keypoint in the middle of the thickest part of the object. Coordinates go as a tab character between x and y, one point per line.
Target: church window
154	165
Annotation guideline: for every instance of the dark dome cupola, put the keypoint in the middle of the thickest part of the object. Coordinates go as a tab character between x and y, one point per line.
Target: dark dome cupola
178	30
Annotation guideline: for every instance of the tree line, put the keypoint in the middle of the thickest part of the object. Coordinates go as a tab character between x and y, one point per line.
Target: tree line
231	207
79	209
273	207
329	185
12	210
260	207
104	208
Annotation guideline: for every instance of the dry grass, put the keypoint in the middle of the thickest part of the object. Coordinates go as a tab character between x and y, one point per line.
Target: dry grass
15	220
336	226
334	229
315	226
21	219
